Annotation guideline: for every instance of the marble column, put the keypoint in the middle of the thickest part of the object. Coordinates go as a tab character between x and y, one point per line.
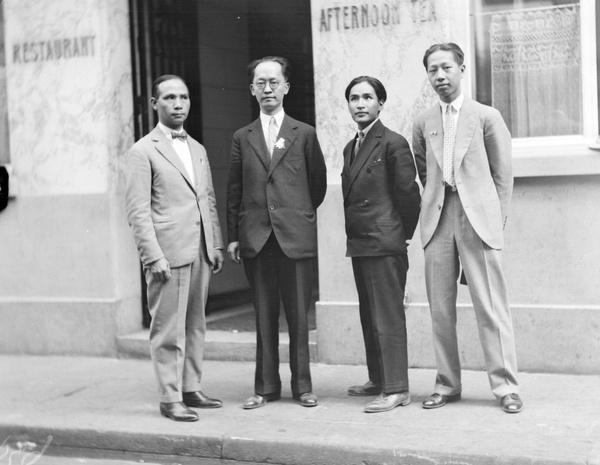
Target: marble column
70	278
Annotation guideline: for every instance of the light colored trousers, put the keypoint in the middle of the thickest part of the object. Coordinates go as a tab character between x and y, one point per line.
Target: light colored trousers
178	327
454	238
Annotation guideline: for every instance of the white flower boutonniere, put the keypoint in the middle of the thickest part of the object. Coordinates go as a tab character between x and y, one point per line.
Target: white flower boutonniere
280	144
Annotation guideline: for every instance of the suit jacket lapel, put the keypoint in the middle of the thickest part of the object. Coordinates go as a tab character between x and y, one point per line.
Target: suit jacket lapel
347	154
465	129
256	139
346	167
288	134
166	150
435	133
371	141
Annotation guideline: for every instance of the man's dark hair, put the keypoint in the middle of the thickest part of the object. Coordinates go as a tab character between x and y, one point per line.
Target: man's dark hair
285	66
159	80
375	84
459	55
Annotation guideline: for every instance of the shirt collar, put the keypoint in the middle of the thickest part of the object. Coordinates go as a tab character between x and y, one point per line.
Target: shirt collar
167	131
456	103
264	119
368	128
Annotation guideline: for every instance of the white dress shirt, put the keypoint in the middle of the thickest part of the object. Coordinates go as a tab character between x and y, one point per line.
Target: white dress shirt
264	121
368	128
182	149
456	106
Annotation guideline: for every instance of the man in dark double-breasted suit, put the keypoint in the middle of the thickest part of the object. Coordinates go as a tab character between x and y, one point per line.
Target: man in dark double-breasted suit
381	205
277	180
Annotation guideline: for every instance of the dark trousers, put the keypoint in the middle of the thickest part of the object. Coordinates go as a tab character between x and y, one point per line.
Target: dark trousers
275	278
380	282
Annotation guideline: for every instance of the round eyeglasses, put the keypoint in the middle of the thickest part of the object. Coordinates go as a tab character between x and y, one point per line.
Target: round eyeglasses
262	84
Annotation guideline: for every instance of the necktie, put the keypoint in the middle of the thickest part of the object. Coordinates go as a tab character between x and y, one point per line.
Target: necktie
449	139
359	141
179	135
272	134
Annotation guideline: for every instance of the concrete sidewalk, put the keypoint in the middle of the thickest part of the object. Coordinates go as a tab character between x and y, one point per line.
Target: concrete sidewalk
111	404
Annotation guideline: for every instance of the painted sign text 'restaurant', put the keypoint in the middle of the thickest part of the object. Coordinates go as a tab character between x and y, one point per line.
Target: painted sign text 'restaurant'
56	49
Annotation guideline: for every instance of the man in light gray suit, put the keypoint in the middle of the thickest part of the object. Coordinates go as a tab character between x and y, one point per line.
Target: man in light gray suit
463	155
171	209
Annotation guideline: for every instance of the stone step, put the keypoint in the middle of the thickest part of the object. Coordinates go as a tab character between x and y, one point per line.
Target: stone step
225	345
219	345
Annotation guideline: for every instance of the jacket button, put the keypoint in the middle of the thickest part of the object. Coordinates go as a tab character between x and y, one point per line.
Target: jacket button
368	170
271	207
270	180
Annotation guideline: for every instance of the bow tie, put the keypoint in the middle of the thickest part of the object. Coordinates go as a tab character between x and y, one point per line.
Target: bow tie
179	135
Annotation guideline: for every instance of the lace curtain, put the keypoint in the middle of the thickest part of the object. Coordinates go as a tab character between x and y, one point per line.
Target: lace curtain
536	70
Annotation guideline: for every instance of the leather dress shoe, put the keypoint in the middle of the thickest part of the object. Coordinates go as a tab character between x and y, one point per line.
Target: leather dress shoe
511	403
439	400
177	411
367	389
308	399
257	400
384	402
198	399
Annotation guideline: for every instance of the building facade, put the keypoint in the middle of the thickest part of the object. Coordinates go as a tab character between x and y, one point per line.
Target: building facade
76	79
537	63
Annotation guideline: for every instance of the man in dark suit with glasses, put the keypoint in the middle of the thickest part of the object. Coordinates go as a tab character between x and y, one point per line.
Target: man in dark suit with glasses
277	179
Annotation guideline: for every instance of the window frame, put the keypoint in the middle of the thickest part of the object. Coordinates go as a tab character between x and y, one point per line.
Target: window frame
570	154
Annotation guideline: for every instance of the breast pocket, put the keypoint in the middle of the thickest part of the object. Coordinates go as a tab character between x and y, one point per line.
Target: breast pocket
376	168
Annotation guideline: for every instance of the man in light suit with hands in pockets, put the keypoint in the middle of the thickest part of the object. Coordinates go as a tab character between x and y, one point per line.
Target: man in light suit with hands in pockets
172	212
463	154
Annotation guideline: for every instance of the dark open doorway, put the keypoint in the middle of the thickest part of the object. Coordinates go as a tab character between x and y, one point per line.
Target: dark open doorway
209	43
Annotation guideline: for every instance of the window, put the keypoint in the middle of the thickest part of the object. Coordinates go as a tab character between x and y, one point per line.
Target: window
532	63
